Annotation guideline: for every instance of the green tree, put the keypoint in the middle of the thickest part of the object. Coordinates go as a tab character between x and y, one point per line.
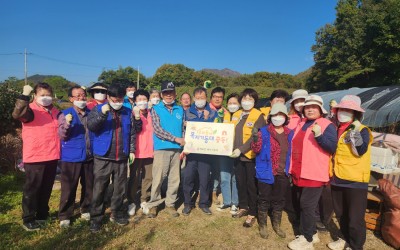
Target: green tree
179	74
361	48
123	76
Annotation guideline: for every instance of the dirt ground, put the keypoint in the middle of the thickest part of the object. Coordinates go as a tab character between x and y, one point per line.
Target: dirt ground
200	231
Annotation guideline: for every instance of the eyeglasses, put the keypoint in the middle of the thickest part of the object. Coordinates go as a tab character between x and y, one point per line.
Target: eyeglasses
217	96
102	91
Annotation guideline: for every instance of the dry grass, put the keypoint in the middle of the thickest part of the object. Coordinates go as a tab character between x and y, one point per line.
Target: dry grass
196	231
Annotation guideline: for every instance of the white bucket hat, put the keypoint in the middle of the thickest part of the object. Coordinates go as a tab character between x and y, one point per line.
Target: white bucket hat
316	100
278	107
297	94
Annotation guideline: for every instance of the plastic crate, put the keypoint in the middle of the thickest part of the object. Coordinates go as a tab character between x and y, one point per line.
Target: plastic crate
384	160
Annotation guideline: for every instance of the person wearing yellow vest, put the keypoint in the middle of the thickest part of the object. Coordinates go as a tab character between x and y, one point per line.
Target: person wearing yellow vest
228	179
41	151
351	173
314	142
277	96
245	120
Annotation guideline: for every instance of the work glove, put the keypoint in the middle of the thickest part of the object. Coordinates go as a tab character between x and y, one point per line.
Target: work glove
255	134
131	158
356	125
68	119
136	112
206	114
332	103
27	90
105	109
316	129
235	154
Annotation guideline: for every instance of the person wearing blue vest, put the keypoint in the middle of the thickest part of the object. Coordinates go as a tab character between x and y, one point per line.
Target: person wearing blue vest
113	143
76	157
198	165
272	144
167	118
129	101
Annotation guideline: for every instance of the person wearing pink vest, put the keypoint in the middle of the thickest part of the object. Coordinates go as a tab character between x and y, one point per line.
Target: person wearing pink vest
141	169
314	141
40	150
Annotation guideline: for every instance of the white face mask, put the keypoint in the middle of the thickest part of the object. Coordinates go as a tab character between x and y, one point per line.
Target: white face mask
130	94
44	100
99	96
344	116
299	106
80	104
142	105
116	105
168	103
247	105
278	120
200	103
233	108
155	100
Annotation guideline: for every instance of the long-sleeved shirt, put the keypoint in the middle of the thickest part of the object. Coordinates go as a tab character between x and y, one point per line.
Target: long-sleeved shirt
158	130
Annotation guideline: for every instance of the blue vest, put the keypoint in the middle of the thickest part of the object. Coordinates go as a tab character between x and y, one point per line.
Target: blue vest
170	122
74	148
263	159
103	138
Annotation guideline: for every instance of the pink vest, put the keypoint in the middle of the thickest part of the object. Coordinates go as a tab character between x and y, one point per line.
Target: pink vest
315	161
144	140
40	138
294	120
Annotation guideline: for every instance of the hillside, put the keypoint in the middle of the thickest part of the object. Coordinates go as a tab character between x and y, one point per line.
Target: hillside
223	72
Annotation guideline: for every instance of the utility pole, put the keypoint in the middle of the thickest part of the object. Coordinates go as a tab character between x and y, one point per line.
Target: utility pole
26	72
137	78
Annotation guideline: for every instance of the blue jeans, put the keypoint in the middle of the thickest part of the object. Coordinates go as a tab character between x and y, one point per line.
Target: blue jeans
228	181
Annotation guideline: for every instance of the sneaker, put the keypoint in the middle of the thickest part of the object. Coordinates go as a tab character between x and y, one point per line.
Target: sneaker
31	226
119	221
234	210
85	216
132	209
249	222
222	208
172	211
65	223
337	244
321	227
206	210
186	210
300	243
241	213
152	212
315	238
94	227
145	209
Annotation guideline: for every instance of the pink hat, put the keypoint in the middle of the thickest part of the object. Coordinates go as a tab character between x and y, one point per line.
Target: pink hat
350	102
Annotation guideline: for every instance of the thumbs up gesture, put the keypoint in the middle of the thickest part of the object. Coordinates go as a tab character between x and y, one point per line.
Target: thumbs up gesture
68	118
316	129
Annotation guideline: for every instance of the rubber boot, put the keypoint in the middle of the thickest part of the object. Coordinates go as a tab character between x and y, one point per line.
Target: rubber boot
276	223
262	224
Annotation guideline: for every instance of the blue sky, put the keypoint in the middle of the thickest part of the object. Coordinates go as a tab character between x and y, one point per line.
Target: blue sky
78	39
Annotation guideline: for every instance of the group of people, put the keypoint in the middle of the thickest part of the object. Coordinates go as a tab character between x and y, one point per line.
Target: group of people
304	151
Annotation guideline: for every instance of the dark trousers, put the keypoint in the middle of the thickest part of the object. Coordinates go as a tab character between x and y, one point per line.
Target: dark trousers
273	195
350	205
71	173
102	170
39	180
324	211
196	165
247	185
306	199
140	174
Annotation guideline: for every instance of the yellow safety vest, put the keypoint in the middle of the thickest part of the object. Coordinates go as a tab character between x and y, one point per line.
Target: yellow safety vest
348	166
248	127
265	111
